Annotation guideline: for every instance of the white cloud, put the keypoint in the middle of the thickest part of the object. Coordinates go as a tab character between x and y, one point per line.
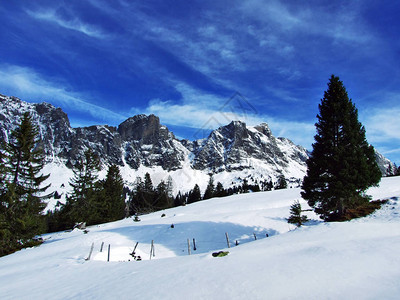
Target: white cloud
207	111
73	24
341	23
29	85
383	124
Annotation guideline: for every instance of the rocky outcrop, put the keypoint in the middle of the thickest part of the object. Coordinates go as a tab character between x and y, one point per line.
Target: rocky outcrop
142	141
147	142
236	146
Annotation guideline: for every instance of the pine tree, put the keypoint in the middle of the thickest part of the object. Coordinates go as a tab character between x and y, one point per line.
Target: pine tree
111	198
281	184
209	193
245	186
162	200
21	190
342	164
295	214
194	195
80	205
136	200
219	190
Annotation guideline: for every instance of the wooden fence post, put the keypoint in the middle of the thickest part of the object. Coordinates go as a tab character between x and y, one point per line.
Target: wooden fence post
194	245
152	252
188	241
108	257
90	253
101	248
227	239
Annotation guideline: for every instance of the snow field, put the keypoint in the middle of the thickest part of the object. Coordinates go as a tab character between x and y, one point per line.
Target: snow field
350	260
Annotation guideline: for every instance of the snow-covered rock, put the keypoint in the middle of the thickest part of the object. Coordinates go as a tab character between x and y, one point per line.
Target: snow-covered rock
141	144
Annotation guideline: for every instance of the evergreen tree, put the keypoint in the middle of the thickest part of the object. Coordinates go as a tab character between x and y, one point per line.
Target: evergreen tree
179	200
136	200
342	164
111	198
295	214
194	195
148	184
209	193
245	186
281	184
21	190
81	202
219	190
162	200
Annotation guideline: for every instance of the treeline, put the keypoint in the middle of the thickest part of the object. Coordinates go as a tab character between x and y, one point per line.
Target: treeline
91	200
96	201
145	198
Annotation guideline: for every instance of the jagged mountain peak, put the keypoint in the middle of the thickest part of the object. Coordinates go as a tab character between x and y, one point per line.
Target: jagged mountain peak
264	129
143	128
142	141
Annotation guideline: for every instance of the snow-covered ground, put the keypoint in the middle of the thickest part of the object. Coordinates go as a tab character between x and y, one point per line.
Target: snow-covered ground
351	260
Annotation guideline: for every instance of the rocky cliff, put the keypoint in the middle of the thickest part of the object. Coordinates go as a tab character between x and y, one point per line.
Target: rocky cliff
142	141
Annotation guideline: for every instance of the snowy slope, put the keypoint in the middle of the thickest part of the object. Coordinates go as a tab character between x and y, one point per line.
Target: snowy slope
351	260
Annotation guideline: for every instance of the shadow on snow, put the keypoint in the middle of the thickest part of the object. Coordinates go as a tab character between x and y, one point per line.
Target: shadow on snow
208	236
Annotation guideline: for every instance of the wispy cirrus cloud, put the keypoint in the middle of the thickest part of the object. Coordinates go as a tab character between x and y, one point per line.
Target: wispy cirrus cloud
339	22
32	86
74	23
206	111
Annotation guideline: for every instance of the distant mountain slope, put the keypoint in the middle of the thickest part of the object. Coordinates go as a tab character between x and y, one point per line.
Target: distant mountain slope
232	152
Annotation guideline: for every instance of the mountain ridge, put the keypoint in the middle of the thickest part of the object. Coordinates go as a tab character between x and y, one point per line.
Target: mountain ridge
231	153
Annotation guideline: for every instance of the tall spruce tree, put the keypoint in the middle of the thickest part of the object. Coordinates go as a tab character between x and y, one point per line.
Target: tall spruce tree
194	195
22	192
210	189
219	190
110	201
81	202
342	164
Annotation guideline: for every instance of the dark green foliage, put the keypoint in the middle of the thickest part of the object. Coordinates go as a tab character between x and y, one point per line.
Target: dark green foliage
21	190
92	201
342	164
82	202
220	253
219	190
209	193
194	195
267	185
146	199
110	201
281	184
162	198
245	186
180	199
295	214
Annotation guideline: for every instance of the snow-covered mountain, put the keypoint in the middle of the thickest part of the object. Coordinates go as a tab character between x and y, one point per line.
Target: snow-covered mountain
142	144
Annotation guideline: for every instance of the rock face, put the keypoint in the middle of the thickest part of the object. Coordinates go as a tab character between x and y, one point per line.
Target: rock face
235	146
142	141
146	142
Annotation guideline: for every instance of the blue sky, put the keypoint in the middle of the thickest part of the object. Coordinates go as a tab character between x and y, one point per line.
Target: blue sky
199	64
